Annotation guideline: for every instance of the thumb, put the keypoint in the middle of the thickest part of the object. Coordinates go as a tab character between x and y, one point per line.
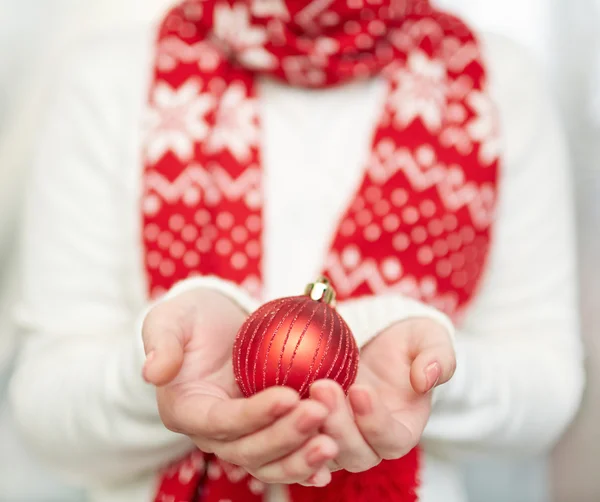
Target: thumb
162	334
434	360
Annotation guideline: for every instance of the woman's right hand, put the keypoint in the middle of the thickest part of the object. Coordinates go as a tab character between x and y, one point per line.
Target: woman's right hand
188	341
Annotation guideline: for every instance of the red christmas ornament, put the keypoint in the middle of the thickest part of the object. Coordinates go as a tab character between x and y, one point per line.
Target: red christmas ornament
295	341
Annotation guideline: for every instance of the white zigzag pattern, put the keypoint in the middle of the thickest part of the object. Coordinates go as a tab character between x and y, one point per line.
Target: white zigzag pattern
219	179
347	283
455	53
479	201
306	17
425	28
463	56
368	272
173	49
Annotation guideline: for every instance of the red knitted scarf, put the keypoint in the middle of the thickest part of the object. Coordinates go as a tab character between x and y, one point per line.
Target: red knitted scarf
418	223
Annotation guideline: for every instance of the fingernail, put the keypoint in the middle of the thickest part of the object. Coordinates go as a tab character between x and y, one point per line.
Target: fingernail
432	375
321	478
321	453
361	402
328	398
315	456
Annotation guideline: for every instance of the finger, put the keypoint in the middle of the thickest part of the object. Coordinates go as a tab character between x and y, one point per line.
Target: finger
434	364
355	454
281	438
163	344
333	466
300	465
319	479
221	418
388	437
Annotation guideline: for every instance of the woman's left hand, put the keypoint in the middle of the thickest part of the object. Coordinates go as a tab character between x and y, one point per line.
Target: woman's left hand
388	406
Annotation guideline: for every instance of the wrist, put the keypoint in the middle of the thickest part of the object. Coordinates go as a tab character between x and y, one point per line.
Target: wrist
228	289
370	316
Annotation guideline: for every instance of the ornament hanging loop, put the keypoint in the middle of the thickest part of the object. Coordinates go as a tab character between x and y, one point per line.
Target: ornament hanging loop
321	291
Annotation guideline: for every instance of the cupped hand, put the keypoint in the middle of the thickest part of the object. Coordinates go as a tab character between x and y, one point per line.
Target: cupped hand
389	405
188	341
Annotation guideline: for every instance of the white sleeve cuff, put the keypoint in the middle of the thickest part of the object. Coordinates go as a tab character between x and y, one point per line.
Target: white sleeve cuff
227	288
370	315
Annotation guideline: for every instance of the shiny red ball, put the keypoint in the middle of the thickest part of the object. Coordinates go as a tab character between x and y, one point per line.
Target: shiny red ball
293	342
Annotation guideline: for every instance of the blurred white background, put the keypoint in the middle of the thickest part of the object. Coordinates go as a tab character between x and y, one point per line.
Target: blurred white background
561	33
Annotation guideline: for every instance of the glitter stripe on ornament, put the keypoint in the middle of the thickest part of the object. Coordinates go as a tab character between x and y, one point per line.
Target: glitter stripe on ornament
308	380
344	338
339	349
295	341
242	338
262	335
326	351
237	349
273	336
352	356
282	351
304	330
274	313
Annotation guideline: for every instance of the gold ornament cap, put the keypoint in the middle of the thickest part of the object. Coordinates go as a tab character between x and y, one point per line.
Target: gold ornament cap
321	291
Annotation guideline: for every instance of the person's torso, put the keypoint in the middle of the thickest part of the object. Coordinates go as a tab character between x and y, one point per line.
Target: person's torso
314	143
338	124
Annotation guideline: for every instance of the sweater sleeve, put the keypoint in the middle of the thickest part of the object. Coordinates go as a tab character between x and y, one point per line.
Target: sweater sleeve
520	368
520	371
77	393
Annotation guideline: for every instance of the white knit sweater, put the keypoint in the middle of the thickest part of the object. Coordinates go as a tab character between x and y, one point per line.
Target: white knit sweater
78	394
